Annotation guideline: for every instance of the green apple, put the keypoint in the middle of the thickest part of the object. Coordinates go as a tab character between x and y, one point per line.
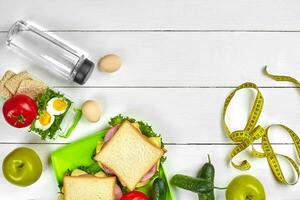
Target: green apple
245	187
22	166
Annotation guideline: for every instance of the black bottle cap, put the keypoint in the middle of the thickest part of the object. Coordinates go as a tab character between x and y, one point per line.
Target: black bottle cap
84	71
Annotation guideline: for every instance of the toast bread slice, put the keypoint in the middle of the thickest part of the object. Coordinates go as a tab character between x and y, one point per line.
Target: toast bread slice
89	188
129	154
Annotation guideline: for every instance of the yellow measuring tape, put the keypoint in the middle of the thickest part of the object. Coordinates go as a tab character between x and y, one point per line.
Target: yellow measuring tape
252	132
281	78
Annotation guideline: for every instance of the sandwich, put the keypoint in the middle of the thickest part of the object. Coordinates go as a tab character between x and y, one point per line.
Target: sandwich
89	187
87	182
130	154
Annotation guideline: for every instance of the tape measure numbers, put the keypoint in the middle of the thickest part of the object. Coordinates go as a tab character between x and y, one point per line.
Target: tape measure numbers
253	132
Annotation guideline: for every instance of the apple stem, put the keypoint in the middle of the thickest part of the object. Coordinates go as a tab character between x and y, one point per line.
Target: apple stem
208	156
220	188
20	165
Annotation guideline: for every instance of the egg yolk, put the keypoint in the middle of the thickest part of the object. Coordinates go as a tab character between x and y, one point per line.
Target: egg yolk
45	118
59	104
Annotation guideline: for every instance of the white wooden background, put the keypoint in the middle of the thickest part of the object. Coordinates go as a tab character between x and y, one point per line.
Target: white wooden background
181	59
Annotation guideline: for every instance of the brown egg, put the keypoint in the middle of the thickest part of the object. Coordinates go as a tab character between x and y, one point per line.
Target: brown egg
110	63
91	110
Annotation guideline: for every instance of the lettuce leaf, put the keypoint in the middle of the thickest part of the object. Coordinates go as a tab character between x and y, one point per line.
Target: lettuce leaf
91	169
42	102
119	119
145	128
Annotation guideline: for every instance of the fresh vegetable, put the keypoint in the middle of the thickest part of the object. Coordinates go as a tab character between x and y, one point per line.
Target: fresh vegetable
119	119
91	169
20	111
192	184
145	128
135	195
42	103
159	188
22	167
91	110
245	187
207	172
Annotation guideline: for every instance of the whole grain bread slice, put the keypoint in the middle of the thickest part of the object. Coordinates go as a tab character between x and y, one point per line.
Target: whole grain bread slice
14	82
4	92
7	75
32	88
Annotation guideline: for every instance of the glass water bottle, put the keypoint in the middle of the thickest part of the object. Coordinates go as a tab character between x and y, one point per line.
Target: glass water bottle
50	52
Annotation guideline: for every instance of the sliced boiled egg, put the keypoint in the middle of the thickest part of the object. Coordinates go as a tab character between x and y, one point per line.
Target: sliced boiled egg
44	121
57	106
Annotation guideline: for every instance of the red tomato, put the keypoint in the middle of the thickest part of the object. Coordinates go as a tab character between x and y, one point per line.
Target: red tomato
134	196
20	111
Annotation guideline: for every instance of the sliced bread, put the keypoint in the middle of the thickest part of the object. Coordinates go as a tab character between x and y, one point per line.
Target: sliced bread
89	188
129	154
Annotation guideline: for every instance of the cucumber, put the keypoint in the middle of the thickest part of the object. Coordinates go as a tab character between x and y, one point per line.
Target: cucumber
192	184
159	189
207	172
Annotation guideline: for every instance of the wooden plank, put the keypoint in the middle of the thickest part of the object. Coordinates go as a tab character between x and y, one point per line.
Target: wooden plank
179	59
181	115
156	14
181	159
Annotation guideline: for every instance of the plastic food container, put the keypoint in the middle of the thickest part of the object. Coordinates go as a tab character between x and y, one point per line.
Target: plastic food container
49	52
63	159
